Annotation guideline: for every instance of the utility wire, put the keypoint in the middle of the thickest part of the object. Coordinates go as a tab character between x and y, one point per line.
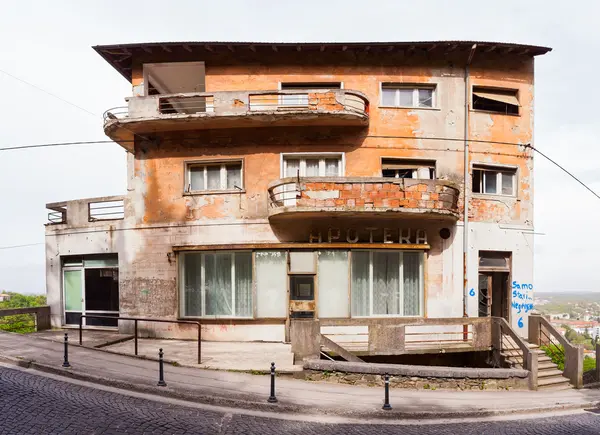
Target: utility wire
95	115
563	169
449	139
47	92
20	246
57	144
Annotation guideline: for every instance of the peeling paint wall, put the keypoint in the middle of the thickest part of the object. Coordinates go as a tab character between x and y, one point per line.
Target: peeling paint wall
161	215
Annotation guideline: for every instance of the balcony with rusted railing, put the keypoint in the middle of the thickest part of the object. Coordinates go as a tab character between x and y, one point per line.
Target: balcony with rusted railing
85	212
338	196
235	109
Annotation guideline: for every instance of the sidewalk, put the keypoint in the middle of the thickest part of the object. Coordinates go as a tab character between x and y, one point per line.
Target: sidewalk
251	391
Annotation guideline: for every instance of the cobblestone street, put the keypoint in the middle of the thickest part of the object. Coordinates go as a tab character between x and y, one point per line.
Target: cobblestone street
34	404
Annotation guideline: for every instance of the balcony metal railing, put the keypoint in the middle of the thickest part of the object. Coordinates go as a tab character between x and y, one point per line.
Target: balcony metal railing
240	102
106	210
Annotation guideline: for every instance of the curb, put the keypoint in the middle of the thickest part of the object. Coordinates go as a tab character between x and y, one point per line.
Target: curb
251	402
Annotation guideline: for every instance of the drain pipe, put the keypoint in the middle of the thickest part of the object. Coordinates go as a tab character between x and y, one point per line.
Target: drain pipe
466	194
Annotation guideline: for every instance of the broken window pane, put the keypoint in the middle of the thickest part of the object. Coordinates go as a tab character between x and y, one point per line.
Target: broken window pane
477	173
425	97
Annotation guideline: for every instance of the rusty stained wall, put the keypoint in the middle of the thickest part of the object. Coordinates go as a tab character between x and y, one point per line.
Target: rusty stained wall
156	179
160	169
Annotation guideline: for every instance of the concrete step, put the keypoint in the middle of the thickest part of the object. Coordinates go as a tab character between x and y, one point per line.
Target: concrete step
546	365
549	373
553	382
542	358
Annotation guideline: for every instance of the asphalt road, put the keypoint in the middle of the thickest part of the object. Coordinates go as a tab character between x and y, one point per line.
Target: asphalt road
34	404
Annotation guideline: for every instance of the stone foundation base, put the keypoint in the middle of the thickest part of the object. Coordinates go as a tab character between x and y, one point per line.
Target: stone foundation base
417	383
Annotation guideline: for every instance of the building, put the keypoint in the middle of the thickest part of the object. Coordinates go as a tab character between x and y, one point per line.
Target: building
4	297
273	182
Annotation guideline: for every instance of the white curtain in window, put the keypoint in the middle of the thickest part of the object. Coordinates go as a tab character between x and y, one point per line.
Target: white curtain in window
271	284
386	286
332	167
386	283
312	167
361	283
197	178
213	177
412	283
192	290
333	284
217	281
234	176
243	284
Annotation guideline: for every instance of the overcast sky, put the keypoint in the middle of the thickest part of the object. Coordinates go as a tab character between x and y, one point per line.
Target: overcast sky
49	44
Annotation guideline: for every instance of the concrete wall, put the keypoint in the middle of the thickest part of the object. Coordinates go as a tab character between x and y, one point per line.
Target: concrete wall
159	215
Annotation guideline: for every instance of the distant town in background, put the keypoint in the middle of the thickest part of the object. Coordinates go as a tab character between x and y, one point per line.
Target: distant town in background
575	314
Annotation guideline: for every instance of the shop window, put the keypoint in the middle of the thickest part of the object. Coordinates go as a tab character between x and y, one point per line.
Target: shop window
312	165
407	95
406	168
496	100
217	284
223	176
333	278
271	284
493	180
387	283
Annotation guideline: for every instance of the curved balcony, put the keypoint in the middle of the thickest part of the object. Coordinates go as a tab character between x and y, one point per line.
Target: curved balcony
235	109
358	196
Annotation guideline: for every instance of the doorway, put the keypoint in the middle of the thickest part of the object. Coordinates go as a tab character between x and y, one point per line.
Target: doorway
493	290
91	286
301	276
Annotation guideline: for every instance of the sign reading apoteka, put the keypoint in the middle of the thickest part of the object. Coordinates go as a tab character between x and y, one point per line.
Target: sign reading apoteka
403	236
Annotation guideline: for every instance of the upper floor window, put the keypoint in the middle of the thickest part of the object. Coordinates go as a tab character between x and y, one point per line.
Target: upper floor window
493	180
407	95
408	168
301	99
312	165
214	176
496	100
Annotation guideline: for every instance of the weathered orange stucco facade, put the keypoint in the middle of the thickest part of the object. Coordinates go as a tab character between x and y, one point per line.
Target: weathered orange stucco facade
163	219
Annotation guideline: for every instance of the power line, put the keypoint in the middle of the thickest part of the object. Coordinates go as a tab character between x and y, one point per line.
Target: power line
563	169
449	139
20	246
64	101
47	92
56	144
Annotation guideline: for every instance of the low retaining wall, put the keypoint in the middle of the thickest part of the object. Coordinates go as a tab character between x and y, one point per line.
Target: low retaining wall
416	377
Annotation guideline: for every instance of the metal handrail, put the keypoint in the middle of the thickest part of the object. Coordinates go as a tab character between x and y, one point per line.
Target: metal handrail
142	319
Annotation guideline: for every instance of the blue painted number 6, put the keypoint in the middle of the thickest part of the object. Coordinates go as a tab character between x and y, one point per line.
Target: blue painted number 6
520	322
472	292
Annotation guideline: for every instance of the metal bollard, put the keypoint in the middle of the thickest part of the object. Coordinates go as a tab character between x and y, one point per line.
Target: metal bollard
386	385
161	372
66	361
272	398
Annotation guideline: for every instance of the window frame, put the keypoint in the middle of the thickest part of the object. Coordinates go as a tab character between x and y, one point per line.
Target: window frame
422	298
322	156
499	169
419	163
181	285
415	97
303	86
492	89
223	163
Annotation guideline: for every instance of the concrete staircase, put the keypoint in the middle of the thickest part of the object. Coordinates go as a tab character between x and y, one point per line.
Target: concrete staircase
549	376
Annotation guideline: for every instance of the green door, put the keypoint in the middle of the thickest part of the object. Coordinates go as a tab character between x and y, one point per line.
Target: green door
73	289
